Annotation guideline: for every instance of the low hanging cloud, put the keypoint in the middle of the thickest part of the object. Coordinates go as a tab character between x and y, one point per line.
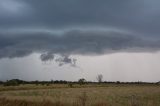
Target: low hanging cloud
60	59
77	27
47	57
74	42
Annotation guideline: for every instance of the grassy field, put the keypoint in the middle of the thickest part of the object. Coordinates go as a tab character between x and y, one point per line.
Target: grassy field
86	95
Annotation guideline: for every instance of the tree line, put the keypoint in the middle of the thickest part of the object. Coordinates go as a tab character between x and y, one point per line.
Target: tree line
82	81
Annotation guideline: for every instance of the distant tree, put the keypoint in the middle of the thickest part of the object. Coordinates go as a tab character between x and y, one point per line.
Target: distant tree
13	82
158	82
47	84
118	82
81	81
99	78
52	82
70	85
36	82
1	82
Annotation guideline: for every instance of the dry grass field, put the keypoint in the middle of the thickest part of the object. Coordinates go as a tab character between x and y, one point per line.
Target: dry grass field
86	95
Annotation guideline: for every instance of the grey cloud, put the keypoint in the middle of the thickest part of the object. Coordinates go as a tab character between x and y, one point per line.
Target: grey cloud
13	8
47	57
63	59
73	42
141	16
60	59
58	29
134	28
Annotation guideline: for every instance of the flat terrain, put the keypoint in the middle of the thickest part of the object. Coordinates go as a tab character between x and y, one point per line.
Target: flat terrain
85	95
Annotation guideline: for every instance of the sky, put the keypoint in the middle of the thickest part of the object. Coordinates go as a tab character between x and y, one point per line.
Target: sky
72	39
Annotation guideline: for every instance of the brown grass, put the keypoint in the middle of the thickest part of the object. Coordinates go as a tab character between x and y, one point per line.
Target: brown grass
7	102
88	95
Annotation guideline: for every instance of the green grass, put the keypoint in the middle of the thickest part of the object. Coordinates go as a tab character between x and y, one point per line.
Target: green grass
86	95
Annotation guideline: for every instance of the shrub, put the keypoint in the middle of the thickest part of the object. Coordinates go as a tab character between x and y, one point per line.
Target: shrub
13	82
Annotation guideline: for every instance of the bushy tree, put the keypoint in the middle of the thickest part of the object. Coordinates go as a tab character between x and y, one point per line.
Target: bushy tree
81	81
13	82
70	85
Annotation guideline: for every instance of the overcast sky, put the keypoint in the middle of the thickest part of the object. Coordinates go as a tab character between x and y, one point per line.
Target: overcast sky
72	39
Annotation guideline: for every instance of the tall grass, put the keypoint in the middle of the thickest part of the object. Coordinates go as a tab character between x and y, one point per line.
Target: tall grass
7	102
83	96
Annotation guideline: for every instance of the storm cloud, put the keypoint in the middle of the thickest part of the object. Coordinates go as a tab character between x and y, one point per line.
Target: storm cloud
83	27
73	42
119	39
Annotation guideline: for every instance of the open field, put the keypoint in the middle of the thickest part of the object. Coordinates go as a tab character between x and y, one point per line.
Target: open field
86	95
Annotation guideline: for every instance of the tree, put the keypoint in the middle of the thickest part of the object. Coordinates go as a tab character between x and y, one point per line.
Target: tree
99	78
70	84
52	82
81	81
13	82
1	82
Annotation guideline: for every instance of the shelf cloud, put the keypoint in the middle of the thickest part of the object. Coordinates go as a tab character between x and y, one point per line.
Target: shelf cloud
73	42
80	27
116	38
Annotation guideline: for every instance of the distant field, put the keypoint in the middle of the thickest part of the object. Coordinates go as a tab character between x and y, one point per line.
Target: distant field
86	95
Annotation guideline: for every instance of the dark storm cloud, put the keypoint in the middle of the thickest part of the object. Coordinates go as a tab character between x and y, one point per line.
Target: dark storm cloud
28	26
140	16
47	57
64	59
72	42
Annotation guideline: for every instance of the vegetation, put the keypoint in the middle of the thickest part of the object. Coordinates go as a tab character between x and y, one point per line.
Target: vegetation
66	93
13	82
81	81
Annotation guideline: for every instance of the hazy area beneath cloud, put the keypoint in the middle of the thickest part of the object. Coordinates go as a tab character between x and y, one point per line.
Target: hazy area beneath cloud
113	67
